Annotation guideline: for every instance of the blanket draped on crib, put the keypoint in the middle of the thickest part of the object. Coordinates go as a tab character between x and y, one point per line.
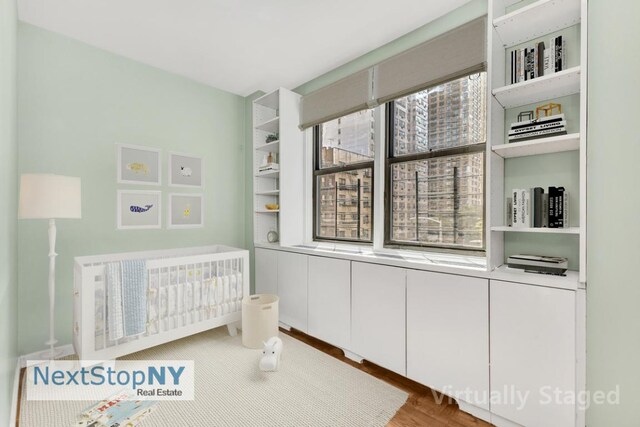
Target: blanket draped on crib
126	298
134	296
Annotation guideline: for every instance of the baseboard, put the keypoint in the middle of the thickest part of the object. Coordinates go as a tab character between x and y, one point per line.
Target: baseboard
352	356
477	412
65	350
14	396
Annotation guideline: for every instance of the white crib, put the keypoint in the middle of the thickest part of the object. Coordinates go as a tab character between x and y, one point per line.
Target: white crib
189	291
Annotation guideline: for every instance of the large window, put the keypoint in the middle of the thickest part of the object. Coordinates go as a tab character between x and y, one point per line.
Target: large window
435	166
343	178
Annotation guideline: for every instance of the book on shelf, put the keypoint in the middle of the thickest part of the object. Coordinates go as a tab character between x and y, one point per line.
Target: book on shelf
538	128
535	208
521	208
538	60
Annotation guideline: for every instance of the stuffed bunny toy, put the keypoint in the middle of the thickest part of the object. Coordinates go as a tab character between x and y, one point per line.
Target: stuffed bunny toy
271	354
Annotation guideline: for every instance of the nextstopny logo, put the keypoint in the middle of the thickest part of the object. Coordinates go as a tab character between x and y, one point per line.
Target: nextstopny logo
75	380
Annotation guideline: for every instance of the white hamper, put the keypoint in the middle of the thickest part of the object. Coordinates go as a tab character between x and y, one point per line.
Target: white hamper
259	319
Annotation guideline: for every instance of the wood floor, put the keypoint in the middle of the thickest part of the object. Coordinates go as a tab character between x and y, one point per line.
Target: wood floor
421	408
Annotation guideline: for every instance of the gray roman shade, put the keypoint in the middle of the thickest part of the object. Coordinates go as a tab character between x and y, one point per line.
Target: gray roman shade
343	97
454	54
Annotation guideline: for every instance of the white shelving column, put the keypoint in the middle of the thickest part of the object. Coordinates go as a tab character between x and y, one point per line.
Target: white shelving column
278	113
507	29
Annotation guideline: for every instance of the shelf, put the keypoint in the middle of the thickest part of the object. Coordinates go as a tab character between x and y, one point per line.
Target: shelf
268	193
266	211
272	147
268	174
270	100
553	144
536	20
544	230
270	125
569	281
562	83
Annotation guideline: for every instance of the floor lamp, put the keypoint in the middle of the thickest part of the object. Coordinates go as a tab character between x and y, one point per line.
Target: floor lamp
46	196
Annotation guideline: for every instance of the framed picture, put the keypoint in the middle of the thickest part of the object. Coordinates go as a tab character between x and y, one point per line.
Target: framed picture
139	209
138	165
186	170
186	210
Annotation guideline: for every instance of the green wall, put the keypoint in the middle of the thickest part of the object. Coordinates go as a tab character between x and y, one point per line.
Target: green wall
613	207
8	203
74	103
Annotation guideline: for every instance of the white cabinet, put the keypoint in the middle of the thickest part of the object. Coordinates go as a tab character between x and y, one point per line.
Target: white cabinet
330	300
292	289
266	271
378	314
448	334
533	350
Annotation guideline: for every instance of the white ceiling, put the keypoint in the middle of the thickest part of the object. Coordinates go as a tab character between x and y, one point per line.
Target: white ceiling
237	45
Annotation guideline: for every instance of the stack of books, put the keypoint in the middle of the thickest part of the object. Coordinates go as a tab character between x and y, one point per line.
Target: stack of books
269	167
538	60
533	208
538	128
116	411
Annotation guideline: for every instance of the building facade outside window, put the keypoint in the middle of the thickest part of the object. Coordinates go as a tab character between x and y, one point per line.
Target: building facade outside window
343	178
435	166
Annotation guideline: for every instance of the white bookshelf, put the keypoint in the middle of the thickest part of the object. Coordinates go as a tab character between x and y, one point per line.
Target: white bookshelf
537	19
545	230
554	144
278	113
511	27
562	83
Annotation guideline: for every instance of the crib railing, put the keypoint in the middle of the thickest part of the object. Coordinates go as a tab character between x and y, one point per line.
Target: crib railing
188	291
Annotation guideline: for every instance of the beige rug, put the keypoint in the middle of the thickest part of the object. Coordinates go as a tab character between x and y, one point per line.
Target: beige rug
311	389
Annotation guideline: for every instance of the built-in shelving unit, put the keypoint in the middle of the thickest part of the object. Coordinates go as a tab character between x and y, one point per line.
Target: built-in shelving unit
563	83
276	117
567	230
554	144
536	20
511	26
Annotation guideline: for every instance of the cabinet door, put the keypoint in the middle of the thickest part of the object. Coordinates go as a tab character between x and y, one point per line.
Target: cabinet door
448	334
266	271
292	289
533	351
330	300
378	314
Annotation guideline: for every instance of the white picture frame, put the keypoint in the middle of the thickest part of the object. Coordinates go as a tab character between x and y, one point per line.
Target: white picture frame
139	165
148	214
185	170
178	205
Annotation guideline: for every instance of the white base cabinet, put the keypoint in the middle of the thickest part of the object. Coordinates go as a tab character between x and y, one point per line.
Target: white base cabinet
266	271
533	351
378	298
292	289
329	300
448	334
470	338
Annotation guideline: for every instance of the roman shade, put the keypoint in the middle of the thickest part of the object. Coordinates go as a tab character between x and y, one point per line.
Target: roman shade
345	96
454	54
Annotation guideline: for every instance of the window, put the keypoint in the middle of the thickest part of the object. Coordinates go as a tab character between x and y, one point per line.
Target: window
343	177
435	167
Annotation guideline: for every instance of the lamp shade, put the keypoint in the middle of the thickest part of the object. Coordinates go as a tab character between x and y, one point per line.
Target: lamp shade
47	196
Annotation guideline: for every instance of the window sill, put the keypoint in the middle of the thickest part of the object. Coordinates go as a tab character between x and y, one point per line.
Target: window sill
448	263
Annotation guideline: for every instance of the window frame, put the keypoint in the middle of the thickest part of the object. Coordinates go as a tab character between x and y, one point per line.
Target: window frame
318	171
391	159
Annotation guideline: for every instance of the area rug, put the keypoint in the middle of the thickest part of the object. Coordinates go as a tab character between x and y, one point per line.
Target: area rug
310	389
